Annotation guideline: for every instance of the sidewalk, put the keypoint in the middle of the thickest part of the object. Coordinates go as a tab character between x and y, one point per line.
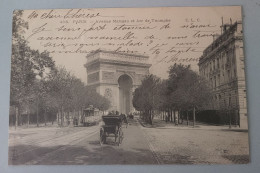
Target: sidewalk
160	124
203	144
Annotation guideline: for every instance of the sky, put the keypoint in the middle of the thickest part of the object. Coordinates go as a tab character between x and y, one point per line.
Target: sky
167	35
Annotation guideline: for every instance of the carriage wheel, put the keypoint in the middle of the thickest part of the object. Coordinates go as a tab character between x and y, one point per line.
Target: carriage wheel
120	136
116	137
102	138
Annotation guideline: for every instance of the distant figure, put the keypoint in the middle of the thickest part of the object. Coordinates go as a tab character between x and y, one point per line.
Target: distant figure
75	121
111	113
131	116
124	119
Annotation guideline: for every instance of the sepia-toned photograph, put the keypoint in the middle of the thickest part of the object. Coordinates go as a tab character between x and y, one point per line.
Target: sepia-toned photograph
128	86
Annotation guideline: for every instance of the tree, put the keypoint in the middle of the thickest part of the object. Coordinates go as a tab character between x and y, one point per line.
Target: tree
163	98
192	91
137	99
199	94
175	100
69	94
95	99
60	82
26	65
145	97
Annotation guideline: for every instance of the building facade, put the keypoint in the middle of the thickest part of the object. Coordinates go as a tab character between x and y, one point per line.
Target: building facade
223	65
116	76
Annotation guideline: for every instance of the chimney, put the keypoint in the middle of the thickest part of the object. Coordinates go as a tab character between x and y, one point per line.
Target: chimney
215	36
226	27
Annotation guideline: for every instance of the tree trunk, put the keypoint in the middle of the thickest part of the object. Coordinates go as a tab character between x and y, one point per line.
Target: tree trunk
146	116
62	117
82	116
179	116
28	118
68	118
170	115
79	118
37	112
194	118
45	117
16	116
174	114
163	115
187	112
74	116
229	113
166	116
19	116
151	119
58	117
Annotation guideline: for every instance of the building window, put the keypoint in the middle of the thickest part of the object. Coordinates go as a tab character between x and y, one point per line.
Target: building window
215	82
219	100
241	52
245	104
236	98
228	74
216	100
228	58
218	79
243	72
224	97
229	100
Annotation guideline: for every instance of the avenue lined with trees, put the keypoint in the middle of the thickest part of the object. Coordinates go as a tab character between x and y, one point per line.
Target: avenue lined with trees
183	92
41	92
39	89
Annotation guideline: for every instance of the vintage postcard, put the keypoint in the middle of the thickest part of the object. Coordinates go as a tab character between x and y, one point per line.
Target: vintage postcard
124	86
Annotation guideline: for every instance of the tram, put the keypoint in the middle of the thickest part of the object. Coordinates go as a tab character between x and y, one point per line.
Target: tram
91	116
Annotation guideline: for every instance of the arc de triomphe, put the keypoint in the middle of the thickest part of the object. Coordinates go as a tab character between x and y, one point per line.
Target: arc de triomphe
116	76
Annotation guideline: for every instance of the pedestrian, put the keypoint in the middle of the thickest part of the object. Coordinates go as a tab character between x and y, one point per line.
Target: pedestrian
124	119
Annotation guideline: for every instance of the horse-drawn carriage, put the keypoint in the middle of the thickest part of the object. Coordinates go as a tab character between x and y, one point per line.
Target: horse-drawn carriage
112	126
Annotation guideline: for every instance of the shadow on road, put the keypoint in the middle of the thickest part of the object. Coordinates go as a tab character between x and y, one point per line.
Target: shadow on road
79	155
241	159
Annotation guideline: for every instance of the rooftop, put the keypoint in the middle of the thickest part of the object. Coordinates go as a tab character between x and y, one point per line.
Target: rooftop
116	57
221	39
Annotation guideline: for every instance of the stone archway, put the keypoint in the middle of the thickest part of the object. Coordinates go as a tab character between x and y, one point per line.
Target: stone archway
115	75
125	83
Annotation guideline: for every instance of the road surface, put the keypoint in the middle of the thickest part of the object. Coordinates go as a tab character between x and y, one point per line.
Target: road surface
78	146
165	144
